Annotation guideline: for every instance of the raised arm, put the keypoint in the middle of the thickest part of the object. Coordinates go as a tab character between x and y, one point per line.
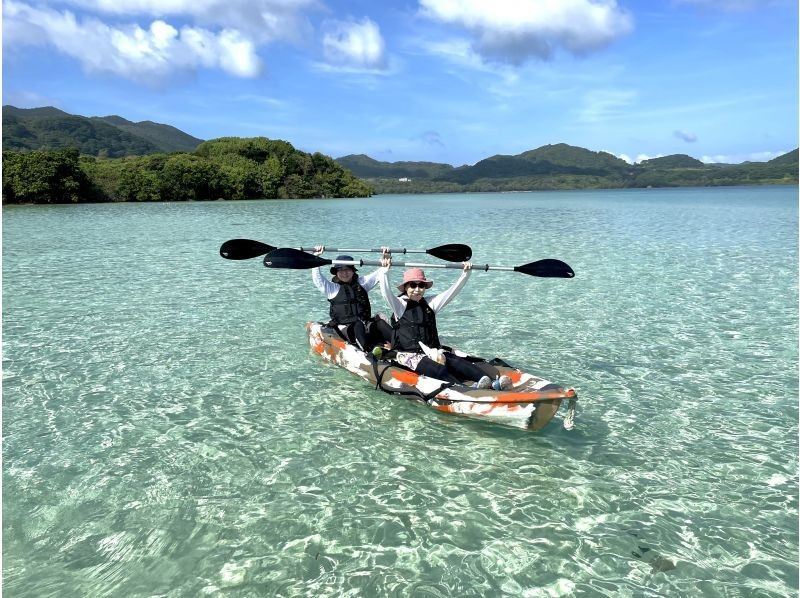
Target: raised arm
370	280
326	287
394	302
437	302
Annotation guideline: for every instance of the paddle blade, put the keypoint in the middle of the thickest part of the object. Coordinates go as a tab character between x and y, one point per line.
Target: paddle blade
547	268
454	252
294	259
243	249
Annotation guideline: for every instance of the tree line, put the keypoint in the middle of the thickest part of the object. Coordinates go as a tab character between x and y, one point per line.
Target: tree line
225	168
638	177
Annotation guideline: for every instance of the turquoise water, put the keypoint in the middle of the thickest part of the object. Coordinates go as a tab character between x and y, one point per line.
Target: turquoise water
167	432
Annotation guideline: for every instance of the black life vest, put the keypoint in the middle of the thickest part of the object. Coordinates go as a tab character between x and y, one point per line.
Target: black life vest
351	303
418	323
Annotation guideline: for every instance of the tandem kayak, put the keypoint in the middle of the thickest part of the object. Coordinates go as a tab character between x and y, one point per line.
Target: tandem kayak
529	404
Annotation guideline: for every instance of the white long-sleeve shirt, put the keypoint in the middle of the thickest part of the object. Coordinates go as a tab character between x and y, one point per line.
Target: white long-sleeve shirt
435	302
330	289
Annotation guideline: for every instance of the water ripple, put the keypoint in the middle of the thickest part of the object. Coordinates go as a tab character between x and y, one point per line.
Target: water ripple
166	430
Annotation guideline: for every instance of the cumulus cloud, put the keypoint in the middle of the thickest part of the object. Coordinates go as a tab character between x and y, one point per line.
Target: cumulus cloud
260	20
686	136
141	54
513	31
354	45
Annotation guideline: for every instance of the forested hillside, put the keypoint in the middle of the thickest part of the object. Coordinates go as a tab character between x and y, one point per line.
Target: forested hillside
226	168
109	136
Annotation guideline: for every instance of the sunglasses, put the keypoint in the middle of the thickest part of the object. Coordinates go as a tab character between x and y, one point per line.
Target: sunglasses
416	285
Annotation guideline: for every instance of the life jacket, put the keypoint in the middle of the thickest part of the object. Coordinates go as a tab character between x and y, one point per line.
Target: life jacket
418	323
351	303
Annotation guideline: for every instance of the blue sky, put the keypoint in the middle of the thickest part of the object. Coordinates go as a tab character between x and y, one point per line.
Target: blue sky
451	81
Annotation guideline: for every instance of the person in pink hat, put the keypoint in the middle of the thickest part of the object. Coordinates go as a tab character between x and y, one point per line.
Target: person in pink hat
414	323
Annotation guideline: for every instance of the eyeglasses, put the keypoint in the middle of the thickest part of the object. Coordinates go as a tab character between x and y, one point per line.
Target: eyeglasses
416	285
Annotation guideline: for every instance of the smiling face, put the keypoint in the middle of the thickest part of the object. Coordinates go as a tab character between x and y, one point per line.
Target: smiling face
415	290
345	274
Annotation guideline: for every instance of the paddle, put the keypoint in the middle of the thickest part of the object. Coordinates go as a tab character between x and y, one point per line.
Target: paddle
295	259
245	249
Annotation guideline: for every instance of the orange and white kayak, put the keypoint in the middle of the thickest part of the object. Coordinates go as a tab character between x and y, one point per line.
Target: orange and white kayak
530	404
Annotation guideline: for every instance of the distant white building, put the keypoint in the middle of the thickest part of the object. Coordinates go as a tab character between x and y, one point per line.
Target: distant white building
405	179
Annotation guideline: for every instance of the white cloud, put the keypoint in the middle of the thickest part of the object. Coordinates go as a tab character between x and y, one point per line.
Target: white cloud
513	31
686	136
251	98
461	53
625	157
737	158
715	159
637	159
261	20
146	55
642	157
603	104
457	51
354	45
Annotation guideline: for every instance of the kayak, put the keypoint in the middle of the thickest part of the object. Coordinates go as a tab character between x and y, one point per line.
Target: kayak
530	404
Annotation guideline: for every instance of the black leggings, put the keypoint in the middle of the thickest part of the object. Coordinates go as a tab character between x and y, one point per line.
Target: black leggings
367	335
455	369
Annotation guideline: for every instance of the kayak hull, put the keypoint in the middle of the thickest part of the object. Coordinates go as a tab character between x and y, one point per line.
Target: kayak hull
530	404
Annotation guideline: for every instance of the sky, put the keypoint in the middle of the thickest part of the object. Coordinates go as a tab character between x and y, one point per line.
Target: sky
452	81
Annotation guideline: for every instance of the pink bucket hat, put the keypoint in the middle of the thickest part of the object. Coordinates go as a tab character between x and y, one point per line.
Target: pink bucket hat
414	275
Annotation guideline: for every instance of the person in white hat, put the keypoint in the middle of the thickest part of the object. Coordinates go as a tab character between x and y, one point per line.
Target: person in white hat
350	309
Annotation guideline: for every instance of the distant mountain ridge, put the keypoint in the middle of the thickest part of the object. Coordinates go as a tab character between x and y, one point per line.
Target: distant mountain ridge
111	136
563	166
370	167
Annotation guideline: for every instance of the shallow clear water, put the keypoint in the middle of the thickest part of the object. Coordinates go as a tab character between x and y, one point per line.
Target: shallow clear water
166	430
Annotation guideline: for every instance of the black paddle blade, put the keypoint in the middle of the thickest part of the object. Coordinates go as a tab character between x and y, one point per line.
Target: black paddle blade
454	252
294	259
547	268
243	249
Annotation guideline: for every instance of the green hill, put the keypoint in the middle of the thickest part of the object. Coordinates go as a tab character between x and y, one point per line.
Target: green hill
49	128
673	161
789	158
563	158
548	160
167	138
365	167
